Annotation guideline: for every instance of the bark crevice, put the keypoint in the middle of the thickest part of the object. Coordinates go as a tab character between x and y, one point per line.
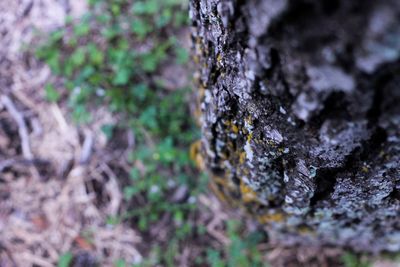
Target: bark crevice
301	115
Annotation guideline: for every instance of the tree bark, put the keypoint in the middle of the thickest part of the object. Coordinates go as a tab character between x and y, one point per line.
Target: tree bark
300	104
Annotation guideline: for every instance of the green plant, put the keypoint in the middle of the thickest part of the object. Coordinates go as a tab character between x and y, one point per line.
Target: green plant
242	250
65	259
114	56
353	260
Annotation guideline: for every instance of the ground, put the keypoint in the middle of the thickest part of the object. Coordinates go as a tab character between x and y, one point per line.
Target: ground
57	183
62	184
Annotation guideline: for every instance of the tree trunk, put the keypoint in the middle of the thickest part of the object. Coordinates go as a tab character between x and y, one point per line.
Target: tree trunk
300	105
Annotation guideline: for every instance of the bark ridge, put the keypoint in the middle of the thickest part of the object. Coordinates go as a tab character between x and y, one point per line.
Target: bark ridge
300	105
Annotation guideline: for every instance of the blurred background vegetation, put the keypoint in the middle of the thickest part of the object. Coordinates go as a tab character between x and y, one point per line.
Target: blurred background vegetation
129	56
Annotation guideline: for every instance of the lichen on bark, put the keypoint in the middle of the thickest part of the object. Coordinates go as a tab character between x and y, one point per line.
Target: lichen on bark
301	116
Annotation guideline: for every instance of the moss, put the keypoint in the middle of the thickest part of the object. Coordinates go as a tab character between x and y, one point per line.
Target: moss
219	58
274	217
305	230
196	155
242	157
248	195
235	129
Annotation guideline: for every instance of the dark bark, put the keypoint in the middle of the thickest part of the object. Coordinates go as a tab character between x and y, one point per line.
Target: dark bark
300	106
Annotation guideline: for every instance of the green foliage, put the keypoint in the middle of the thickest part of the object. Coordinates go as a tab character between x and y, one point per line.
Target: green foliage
113	56
65	260
241	252
353	260
120	263
52	94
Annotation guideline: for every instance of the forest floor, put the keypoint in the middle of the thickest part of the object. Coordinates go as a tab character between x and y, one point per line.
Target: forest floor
62	184
50	168
58	186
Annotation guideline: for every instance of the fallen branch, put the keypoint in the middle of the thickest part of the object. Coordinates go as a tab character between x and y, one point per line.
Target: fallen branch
6	163
22	129
87	148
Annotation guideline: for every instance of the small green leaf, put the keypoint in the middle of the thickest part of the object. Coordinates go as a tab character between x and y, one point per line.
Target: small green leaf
122	77
120	263
178	217
150	62
148	117
214	258
143	223
182	55
140	91
145	7
78	57
181	19
82	29
113	220
53	60
115	9
95	55
353	260
166	150
65	260
165	18
52	94
108	130
134	174
80	114
57	35
140	28
111	32
130	191
103	18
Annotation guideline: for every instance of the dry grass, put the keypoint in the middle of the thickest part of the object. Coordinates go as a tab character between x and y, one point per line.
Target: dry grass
48	203
57	193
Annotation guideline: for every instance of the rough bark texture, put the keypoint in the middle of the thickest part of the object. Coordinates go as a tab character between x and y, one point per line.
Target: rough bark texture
300	105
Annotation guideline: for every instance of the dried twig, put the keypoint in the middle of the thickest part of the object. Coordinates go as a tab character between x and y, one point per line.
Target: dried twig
22	129
87	148
6	163
112	188
9	162
36	260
